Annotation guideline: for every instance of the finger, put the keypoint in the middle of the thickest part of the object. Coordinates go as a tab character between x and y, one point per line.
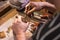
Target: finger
13	27
15	21
19	18
28	23
27	7
25	10
32	10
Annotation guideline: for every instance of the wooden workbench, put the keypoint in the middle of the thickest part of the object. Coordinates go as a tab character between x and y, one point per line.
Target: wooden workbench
7	16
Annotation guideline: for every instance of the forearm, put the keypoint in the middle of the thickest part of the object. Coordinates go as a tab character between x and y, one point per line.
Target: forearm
21	36
50	7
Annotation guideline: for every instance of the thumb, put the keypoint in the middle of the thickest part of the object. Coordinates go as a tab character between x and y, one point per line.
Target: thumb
27	24
20	18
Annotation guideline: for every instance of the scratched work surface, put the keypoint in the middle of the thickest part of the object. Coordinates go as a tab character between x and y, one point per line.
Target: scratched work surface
5	22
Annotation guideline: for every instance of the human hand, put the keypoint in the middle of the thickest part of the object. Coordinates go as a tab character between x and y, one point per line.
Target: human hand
27	8
19	26
38	6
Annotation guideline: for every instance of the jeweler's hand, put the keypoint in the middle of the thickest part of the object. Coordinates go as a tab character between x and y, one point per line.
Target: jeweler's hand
38	6
19	26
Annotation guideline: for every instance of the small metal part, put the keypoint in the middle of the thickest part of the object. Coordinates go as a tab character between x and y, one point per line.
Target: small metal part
16	16
24	20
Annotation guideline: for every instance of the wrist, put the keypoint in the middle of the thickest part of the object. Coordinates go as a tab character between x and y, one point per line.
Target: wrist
20	32
21	36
